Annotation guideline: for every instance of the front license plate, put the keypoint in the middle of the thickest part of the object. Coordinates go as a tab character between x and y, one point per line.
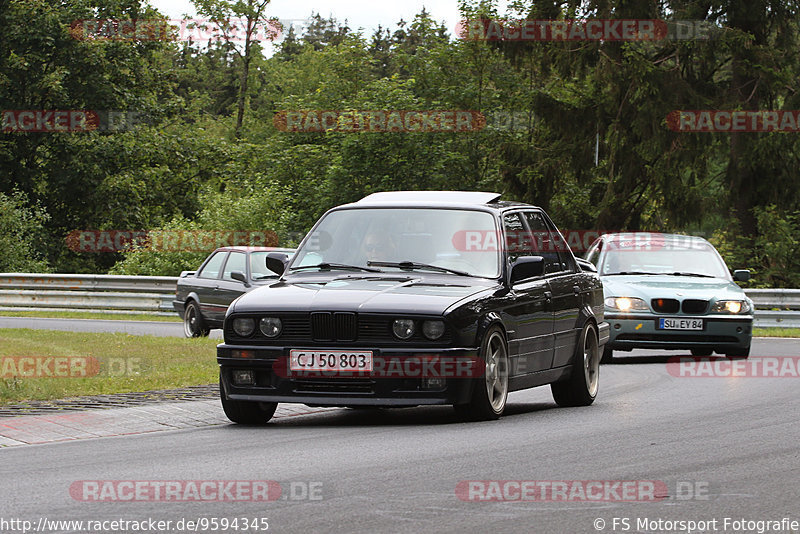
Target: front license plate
680	324
330	360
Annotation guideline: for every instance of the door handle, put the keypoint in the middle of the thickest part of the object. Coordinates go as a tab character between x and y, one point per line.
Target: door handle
548	296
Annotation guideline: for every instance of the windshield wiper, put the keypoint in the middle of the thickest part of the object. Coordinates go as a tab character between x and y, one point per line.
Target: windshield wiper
415	265
341	266
692	274
632	272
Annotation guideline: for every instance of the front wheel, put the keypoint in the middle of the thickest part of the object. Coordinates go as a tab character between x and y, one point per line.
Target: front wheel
580	389
244	412
193	324
491	390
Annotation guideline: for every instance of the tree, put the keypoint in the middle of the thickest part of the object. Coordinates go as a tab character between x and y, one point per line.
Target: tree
221	13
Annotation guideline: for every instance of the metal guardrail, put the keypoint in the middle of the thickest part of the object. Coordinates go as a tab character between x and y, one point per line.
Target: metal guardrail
784	299
87	292
776	308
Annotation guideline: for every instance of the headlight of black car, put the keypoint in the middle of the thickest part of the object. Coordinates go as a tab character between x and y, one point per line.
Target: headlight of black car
731	306
244	326
403	328
270	326
433	330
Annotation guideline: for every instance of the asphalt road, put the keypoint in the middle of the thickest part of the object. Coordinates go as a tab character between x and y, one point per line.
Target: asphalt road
733	439
148	328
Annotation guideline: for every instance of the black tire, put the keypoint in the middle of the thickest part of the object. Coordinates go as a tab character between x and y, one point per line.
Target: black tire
193	323
702	351
738	354
580	389
608	355
490	391
246	413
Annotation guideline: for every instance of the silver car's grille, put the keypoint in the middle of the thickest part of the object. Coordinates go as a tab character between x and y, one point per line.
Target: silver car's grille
693	306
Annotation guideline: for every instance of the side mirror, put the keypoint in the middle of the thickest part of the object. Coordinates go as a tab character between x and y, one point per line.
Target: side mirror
277	261
741	275
239	275
527	267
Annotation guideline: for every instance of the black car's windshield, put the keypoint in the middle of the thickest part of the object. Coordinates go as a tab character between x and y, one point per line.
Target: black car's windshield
447	240
658	255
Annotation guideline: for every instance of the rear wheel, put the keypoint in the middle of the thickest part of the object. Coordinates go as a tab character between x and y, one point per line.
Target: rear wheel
490	391
193	323
245	412
702	351
580	389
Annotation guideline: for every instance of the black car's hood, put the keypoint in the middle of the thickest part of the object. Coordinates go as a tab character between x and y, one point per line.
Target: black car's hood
414	293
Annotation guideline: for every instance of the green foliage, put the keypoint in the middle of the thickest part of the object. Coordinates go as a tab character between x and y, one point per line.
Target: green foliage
589	141
21	235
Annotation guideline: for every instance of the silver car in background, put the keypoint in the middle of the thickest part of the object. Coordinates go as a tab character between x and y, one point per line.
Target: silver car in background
668	291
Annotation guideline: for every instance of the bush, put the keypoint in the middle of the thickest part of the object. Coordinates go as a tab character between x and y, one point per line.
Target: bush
21	235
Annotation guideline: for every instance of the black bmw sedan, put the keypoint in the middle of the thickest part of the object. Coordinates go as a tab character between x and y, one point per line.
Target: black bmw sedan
417	298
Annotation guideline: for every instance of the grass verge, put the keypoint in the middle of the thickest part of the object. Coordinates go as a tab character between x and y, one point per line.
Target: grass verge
93	315
776	332
91	363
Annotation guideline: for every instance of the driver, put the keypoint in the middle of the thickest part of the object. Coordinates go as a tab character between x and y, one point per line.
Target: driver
378	245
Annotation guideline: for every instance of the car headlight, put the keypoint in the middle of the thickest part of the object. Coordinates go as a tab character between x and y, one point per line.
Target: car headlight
433	330
731	306
625	304
270	326
403	328
244	326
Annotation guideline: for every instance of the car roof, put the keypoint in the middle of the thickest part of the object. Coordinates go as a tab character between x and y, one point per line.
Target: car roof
666	237
255	249
432	199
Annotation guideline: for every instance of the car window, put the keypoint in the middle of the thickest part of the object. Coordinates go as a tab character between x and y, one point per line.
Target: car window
593	254
237	261
545	242
213	266
517	238
562	248
662	254
460	239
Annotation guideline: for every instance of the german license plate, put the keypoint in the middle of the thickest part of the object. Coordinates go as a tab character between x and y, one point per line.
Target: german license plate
680	324
330	360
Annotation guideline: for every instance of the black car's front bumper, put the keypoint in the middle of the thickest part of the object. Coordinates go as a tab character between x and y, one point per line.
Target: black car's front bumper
641	331
274	383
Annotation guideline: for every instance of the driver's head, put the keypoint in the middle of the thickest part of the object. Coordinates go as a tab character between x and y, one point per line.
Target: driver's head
378	245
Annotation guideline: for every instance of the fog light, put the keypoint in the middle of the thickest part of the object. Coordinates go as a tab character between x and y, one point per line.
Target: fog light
617	326
242	377
433	383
